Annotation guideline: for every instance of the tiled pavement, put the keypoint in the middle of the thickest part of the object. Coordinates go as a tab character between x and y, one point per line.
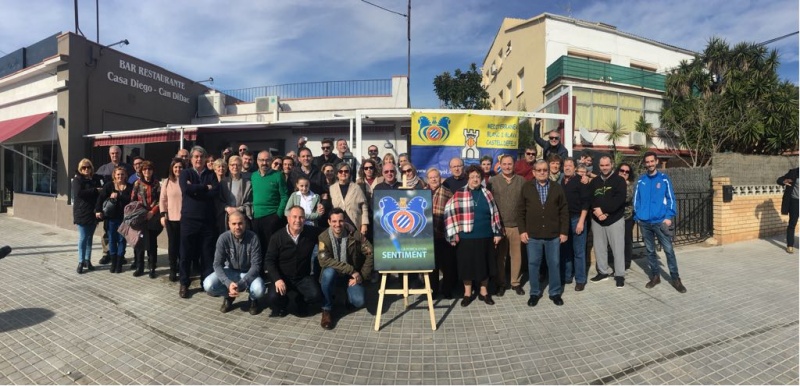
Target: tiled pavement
738	323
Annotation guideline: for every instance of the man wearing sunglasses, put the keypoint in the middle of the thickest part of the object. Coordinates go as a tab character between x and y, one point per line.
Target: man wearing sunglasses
524	166
551	145
327	156
390	182
372	152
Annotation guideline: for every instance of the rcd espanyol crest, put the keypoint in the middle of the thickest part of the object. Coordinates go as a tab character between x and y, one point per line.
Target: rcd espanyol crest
433	130
404	217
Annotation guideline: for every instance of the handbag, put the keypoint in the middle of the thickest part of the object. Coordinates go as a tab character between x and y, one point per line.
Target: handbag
109	207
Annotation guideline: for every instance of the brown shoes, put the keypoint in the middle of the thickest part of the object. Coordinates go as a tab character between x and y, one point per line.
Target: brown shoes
183	291
327	320
654	281
679	286
580	286
518	289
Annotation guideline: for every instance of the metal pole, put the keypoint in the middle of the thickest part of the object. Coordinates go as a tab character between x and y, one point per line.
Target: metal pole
408	58
97	16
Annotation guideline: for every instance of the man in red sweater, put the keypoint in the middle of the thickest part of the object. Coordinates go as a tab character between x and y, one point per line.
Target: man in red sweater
524	166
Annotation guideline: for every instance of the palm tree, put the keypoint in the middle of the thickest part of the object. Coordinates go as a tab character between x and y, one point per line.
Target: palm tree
646	128
615	133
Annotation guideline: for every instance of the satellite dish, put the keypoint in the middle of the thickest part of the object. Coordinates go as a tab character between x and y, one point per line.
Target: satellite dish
586	136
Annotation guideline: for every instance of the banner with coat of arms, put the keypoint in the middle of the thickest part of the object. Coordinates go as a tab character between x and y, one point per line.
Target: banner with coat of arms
403	230
437	137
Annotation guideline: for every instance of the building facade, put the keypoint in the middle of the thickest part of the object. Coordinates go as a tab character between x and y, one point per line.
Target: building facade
615	77
57	91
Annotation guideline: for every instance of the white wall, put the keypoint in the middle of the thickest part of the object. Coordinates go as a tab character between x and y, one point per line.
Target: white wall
562	36
32	95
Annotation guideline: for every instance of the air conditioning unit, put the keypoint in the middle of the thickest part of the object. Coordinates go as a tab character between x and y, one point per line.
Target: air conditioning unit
637	139
267	104
494	69
211	105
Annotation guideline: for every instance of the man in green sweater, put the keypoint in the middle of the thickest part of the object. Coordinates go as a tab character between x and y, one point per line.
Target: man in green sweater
269	198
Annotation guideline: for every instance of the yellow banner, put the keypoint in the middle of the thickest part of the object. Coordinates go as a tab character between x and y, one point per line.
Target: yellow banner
464	130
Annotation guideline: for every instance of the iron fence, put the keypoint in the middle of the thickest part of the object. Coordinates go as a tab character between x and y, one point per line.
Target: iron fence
694	222
340	88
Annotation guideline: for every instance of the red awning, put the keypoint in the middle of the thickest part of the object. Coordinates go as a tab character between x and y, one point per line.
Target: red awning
15	126
142	138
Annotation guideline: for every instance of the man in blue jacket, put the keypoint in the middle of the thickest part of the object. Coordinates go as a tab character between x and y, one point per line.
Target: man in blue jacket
654	209
200	190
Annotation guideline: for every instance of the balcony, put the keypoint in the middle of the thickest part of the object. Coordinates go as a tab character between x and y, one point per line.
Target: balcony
343	88
584	69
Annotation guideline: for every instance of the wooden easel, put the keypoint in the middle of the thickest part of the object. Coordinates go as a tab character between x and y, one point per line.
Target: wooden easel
405	291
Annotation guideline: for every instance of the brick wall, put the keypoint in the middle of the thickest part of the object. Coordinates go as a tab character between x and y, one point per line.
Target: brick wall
746	217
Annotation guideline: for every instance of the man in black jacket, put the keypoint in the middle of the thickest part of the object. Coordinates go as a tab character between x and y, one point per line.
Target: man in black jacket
327	156
608	225
287	263
553	143
200	191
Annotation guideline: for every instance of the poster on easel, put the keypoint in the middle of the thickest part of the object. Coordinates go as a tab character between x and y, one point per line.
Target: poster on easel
403	230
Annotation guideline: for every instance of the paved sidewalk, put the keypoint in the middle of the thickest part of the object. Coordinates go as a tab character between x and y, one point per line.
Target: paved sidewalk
738	323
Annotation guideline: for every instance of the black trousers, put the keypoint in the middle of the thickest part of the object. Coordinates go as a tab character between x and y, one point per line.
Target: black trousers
197	241
445	257
148	243
307	288
793	214
174	238
264	227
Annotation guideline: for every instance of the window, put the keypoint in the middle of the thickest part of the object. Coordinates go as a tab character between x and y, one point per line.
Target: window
38	178
589	55
508	48
596	109
520	81
508	92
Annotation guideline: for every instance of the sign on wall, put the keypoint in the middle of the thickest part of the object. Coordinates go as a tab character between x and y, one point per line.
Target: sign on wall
436	138
403	225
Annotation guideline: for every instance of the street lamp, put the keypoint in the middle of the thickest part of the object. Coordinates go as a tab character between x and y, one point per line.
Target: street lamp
406	15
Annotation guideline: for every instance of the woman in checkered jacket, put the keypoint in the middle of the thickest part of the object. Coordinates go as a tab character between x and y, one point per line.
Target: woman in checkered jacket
473	226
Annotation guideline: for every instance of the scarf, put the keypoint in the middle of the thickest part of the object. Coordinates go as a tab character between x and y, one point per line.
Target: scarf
412	182
338	248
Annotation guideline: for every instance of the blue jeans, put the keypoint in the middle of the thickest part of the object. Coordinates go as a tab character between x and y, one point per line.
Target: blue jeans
85	235
332	280
551	253
214	286
116	242
664	234
573	253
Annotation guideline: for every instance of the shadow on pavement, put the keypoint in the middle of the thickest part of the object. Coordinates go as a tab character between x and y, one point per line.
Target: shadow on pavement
23	317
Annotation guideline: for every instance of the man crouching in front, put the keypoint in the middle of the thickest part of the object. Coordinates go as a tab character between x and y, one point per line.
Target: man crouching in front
237	265
345	257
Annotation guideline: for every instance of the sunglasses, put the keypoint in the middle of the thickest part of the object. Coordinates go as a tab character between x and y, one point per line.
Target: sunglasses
372	152
624	171
530	153
86	168
344	172
408	171
369	168
389	172
326	148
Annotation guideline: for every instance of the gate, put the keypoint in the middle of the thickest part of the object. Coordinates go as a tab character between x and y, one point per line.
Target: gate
694	220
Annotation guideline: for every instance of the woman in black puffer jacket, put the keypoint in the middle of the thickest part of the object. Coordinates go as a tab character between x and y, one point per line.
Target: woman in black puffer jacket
86	187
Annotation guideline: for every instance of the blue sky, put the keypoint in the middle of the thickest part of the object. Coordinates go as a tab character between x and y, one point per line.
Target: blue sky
258	43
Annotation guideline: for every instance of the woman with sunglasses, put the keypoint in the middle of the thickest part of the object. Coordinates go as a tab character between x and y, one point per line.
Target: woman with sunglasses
86	187
147	191
348	196
626	172
277	163
410	178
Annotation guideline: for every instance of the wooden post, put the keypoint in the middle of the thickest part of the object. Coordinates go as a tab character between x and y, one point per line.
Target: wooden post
405	291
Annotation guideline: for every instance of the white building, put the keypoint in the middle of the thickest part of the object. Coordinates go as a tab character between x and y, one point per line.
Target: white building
615	77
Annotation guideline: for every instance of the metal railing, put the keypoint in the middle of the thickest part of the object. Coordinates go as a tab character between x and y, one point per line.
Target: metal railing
339	88
695	220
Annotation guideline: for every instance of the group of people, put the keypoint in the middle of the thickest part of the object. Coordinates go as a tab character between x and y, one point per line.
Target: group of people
300	223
